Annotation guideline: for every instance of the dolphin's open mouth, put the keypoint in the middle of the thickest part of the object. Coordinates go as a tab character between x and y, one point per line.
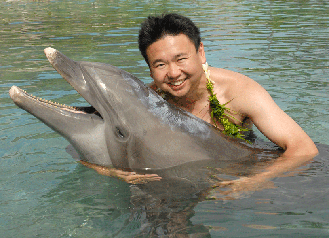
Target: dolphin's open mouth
16	92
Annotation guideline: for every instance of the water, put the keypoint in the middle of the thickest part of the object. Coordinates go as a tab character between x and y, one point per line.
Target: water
283	45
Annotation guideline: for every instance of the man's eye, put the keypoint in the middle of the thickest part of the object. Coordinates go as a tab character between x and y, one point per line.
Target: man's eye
160	65
182	59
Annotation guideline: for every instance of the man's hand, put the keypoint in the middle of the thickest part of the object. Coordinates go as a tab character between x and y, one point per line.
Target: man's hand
240	188
128	177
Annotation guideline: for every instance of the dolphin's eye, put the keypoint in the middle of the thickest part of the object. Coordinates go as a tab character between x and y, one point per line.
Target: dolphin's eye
120	133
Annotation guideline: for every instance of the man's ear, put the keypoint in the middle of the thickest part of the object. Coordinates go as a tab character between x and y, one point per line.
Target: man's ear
202	53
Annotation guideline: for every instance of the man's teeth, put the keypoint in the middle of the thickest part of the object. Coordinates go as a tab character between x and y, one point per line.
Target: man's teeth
177	83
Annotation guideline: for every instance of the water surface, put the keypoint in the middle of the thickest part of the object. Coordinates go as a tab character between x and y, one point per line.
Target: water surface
283	45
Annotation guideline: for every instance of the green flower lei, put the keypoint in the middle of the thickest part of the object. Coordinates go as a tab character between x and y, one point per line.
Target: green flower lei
218	111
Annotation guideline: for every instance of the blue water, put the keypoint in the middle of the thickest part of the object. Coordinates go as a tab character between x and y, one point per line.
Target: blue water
283	45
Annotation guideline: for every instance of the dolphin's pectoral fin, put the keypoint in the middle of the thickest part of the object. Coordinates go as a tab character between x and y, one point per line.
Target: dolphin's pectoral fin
71	151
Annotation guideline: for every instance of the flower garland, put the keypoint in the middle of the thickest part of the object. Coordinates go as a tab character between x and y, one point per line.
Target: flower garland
218	111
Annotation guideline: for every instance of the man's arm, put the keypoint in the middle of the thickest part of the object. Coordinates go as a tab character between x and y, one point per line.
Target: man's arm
256	103
128	177
275	124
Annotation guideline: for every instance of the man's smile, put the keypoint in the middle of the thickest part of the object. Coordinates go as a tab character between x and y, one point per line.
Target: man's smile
177	82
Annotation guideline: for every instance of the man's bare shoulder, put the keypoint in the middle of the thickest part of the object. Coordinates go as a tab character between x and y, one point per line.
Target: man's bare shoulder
232	82
243	92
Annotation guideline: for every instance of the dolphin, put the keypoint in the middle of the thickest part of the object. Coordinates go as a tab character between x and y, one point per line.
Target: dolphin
128	125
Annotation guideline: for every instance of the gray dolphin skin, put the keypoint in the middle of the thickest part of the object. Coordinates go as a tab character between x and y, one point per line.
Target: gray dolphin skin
128	125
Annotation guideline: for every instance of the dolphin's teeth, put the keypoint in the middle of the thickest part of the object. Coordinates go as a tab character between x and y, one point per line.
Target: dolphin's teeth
49	102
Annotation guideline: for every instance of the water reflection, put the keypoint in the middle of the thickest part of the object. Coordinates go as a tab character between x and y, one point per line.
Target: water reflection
171	208
281	44
157	209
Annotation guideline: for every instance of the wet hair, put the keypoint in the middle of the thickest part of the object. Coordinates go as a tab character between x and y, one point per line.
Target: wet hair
157	27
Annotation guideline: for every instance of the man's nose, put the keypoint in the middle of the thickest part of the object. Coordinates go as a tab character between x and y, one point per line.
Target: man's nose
173	71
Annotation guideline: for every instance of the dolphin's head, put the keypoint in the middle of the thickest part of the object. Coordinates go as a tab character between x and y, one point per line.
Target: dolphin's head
83	127
119	98
102	132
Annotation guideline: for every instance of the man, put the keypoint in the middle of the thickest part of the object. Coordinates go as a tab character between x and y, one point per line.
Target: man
172	48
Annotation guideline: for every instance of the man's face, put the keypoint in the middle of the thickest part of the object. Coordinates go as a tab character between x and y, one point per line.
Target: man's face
175	65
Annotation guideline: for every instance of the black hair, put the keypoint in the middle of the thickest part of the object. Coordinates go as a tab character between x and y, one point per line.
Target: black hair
157	27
